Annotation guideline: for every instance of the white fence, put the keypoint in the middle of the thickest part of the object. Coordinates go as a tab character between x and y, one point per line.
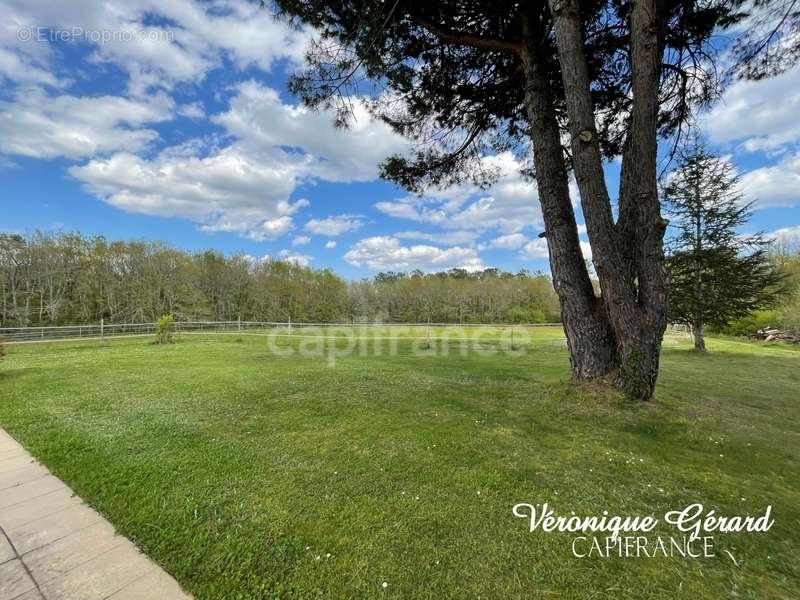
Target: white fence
105	330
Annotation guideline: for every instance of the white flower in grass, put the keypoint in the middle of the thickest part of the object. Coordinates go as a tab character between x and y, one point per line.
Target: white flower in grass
385	584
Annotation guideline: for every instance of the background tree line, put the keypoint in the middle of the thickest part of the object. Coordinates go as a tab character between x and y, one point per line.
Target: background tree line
68	278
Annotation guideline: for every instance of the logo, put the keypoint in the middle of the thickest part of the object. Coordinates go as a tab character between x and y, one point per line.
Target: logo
608	535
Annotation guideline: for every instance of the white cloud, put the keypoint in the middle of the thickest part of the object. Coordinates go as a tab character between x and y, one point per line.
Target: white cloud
761	114
444	237
537	250
510	205
43	126
301	240
196	38
7	163
259	118
192	110
252	199
250	180
330	244
301	259
384	253
511	241
777	185
787	238
333	226
20	69
226	191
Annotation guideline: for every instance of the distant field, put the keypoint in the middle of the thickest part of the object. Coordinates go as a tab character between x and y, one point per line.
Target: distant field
250	473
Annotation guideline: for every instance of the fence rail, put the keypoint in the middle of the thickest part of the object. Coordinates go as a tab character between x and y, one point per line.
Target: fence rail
103	330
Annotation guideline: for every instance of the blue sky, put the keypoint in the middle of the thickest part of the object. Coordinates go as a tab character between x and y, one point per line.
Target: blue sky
178	127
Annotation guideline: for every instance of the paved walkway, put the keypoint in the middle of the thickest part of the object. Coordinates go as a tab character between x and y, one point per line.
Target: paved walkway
54	547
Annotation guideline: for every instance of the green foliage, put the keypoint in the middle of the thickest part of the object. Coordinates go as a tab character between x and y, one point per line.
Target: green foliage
786	313
164	329
787	260
458	296
453	72
716	274
750	323
90	278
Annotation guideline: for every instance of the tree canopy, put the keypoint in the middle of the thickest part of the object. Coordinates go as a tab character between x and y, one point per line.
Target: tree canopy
449	75
717	273
65	279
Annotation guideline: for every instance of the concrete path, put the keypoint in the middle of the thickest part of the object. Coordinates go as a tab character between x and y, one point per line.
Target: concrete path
54	547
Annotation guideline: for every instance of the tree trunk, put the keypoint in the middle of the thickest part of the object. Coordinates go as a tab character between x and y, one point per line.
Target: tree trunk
628	255
699	335
697	290
589	335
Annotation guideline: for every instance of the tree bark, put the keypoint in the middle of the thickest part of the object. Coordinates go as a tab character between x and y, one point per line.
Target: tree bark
628	256
590	338
699	335
697	291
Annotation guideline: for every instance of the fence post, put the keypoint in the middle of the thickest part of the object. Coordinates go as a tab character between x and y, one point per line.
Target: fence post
290	324
429	331
239	322
102	328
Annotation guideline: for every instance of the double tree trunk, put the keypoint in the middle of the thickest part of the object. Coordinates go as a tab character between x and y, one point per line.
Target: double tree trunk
620	334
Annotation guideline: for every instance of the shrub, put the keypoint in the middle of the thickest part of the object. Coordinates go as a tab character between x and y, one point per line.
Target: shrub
166	326
750	324
788	316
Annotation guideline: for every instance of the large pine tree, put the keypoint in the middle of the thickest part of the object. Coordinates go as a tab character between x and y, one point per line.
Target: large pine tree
716	274
466	78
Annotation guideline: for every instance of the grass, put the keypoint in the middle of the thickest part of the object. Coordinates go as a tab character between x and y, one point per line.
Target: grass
248	475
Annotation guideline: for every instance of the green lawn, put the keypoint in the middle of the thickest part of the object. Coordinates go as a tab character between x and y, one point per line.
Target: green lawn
249	476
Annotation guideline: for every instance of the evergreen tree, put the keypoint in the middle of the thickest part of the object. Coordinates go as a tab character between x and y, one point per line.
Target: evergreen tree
467	79
716	274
